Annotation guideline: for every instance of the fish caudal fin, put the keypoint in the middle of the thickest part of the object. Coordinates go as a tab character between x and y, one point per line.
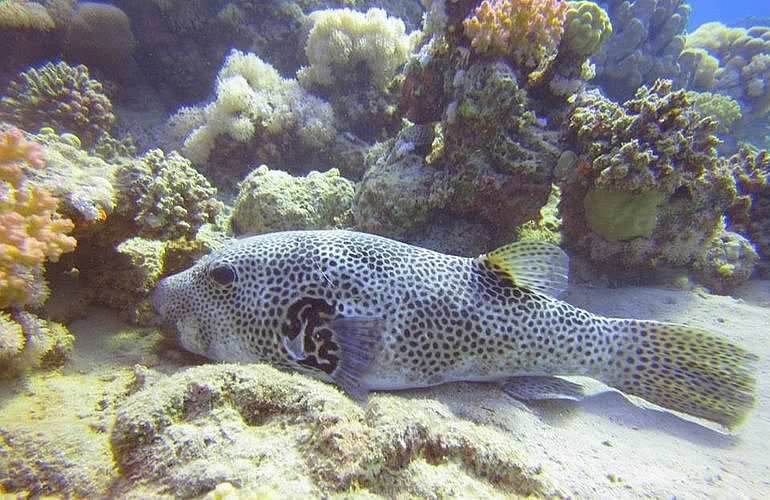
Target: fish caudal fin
682	368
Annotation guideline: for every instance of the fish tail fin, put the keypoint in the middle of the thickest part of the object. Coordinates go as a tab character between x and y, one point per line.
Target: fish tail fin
682	368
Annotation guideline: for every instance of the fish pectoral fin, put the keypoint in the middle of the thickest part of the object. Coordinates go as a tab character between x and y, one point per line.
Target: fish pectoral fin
533	388
536	265
358	338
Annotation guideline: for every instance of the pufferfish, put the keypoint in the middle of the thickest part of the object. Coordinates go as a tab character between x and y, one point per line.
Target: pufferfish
369	313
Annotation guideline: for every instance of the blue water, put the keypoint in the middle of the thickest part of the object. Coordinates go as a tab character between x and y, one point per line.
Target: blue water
727	12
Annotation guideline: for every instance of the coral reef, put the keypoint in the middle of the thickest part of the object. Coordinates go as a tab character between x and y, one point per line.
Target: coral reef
751	213
58	96
169	435
165	197
644	185
399	194
354	58
82	182
500	155
272	200
527	31
259	114
31	230
645	45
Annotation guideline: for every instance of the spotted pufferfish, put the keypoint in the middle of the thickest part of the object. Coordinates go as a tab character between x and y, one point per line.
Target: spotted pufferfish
369	313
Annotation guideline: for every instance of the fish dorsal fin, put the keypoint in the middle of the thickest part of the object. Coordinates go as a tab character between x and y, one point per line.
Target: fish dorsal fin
536	265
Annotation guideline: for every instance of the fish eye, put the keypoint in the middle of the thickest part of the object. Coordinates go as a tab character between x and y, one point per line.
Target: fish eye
222	274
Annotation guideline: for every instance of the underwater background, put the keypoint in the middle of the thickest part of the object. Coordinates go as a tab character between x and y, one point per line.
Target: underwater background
138	136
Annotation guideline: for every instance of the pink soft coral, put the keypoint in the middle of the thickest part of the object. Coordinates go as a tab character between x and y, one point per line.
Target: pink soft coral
525	30
31	231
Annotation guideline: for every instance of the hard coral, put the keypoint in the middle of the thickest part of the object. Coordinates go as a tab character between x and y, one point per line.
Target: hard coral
165	196
58	96
657	153
526	30
647	39
31	231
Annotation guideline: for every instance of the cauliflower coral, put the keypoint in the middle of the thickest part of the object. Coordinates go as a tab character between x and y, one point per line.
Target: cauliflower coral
31	231
525	30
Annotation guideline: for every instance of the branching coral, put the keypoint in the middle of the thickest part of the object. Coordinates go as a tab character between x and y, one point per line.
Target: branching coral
341	39
526	30
656	152
734	62
31	231
646	41
165	196
58	96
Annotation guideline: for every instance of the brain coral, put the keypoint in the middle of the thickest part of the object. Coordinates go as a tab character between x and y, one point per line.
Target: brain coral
61	97
646	184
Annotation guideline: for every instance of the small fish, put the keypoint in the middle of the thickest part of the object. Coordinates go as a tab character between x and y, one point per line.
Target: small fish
369	313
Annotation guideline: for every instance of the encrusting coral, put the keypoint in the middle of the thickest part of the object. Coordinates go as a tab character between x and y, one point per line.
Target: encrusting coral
272	200
31	230
60	96
646	186
750	215
525	30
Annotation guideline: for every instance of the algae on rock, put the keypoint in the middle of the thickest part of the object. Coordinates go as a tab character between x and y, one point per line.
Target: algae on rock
272	200
258	427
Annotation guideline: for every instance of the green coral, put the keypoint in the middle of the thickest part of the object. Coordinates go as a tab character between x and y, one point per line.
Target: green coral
272	200
58	96
622	216
165	196
44	344
587	25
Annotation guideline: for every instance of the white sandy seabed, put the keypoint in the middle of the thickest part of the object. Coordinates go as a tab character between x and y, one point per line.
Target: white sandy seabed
605	446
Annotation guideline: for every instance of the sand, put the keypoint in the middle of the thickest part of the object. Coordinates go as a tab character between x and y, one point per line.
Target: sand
55	427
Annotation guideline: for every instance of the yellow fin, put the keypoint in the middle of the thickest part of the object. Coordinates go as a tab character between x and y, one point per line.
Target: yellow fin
536	265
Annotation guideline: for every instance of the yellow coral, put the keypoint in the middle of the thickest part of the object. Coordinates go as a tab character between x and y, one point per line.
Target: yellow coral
526	30
31	231
21	14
